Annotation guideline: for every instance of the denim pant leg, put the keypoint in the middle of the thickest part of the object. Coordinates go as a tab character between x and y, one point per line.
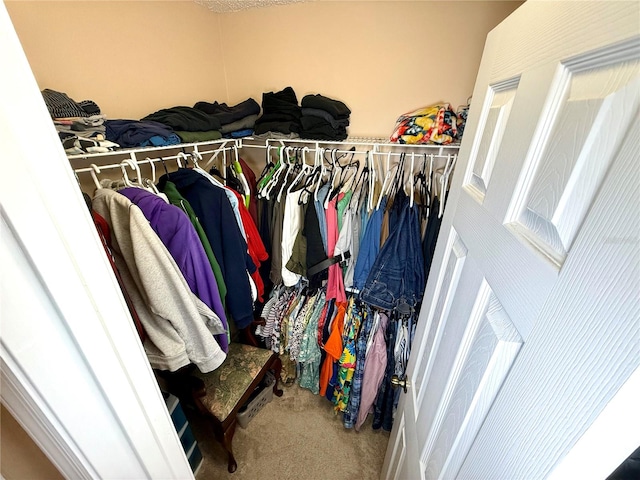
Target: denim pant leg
385	282
413	274
386	399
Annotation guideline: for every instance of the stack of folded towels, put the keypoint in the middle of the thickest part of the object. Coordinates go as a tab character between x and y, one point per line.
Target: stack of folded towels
324	118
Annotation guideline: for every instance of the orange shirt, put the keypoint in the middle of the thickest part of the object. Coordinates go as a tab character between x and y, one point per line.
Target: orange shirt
333	348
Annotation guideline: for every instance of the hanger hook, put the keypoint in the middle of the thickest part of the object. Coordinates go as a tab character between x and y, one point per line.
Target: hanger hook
94	175
196	157
153	170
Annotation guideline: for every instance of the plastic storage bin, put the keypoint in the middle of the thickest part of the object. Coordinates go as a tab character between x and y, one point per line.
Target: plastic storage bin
262	396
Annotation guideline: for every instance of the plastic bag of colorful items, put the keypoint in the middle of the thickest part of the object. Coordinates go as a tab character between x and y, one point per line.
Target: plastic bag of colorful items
433	124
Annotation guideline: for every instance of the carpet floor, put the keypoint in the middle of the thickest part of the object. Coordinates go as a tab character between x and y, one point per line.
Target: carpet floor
292	437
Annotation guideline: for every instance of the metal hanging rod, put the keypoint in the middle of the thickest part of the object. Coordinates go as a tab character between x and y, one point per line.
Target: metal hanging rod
147	160
357	141
216	147
133	152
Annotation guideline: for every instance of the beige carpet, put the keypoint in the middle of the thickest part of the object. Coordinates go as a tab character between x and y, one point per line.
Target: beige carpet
296	436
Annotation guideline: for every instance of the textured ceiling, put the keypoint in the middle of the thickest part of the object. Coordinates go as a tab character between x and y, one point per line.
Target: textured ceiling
224	6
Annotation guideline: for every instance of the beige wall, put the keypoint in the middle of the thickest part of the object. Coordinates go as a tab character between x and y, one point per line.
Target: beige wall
382	58
21	458
131	57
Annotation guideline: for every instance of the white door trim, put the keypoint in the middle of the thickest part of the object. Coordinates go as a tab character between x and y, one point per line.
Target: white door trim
74	373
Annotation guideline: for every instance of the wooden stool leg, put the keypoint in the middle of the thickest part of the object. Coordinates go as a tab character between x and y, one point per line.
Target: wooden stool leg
277	367
227	443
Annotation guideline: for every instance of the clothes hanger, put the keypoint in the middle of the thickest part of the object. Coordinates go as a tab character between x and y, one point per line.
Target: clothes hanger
444	181
164	165
303	169
321	157
151	183
268	170
334	169
95	171
314	176
125	176
236	168
387	177
372	182
290	169
281	166
411	180
397	183
195	158
424	198
345	182
181	156
361	183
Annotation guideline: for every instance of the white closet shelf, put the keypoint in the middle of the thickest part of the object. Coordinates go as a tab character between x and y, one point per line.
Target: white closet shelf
375	144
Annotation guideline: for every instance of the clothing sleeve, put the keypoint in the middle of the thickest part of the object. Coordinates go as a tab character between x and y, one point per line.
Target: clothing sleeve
181	239
219	223
179	326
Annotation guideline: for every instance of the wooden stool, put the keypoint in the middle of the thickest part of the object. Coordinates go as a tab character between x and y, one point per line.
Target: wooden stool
219	395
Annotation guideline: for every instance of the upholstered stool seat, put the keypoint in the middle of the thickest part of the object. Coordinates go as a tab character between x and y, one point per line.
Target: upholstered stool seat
218	396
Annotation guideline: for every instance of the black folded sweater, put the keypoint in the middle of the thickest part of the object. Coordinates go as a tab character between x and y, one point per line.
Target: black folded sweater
226	114
336	108
281	112
185	118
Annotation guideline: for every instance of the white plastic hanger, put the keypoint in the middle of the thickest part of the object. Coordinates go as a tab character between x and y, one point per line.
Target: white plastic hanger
95	171
125	176
305	168
444	181
150	184
288	171
179	158
372	182
411	180
320	157
332	177
274	178
387	178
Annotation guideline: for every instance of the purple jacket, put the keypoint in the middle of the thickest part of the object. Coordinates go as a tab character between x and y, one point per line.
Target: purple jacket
177	234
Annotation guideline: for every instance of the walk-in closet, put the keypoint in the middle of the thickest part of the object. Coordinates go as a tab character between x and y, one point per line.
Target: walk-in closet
365	239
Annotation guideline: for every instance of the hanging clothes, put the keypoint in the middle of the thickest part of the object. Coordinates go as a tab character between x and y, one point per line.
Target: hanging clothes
291	226
180	327
347	361
351	413
387	396
211	205
369	247
177	234
178	200
374	370
335	283
396	279
256	248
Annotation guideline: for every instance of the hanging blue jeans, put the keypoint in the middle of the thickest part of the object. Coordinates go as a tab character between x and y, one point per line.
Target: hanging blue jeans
396	279
369	246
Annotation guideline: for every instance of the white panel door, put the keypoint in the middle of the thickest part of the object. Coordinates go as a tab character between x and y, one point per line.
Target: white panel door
72	369
530	320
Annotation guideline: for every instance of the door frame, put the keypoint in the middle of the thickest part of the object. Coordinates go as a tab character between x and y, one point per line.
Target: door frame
73	370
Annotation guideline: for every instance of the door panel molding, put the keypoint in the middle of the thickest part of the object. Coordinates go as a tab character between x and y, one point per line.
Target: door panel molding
436	324
588	111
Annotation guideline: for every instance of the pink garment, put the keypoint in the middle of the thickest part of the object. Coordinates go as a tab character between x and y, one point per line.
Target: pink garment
375	364
335	283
